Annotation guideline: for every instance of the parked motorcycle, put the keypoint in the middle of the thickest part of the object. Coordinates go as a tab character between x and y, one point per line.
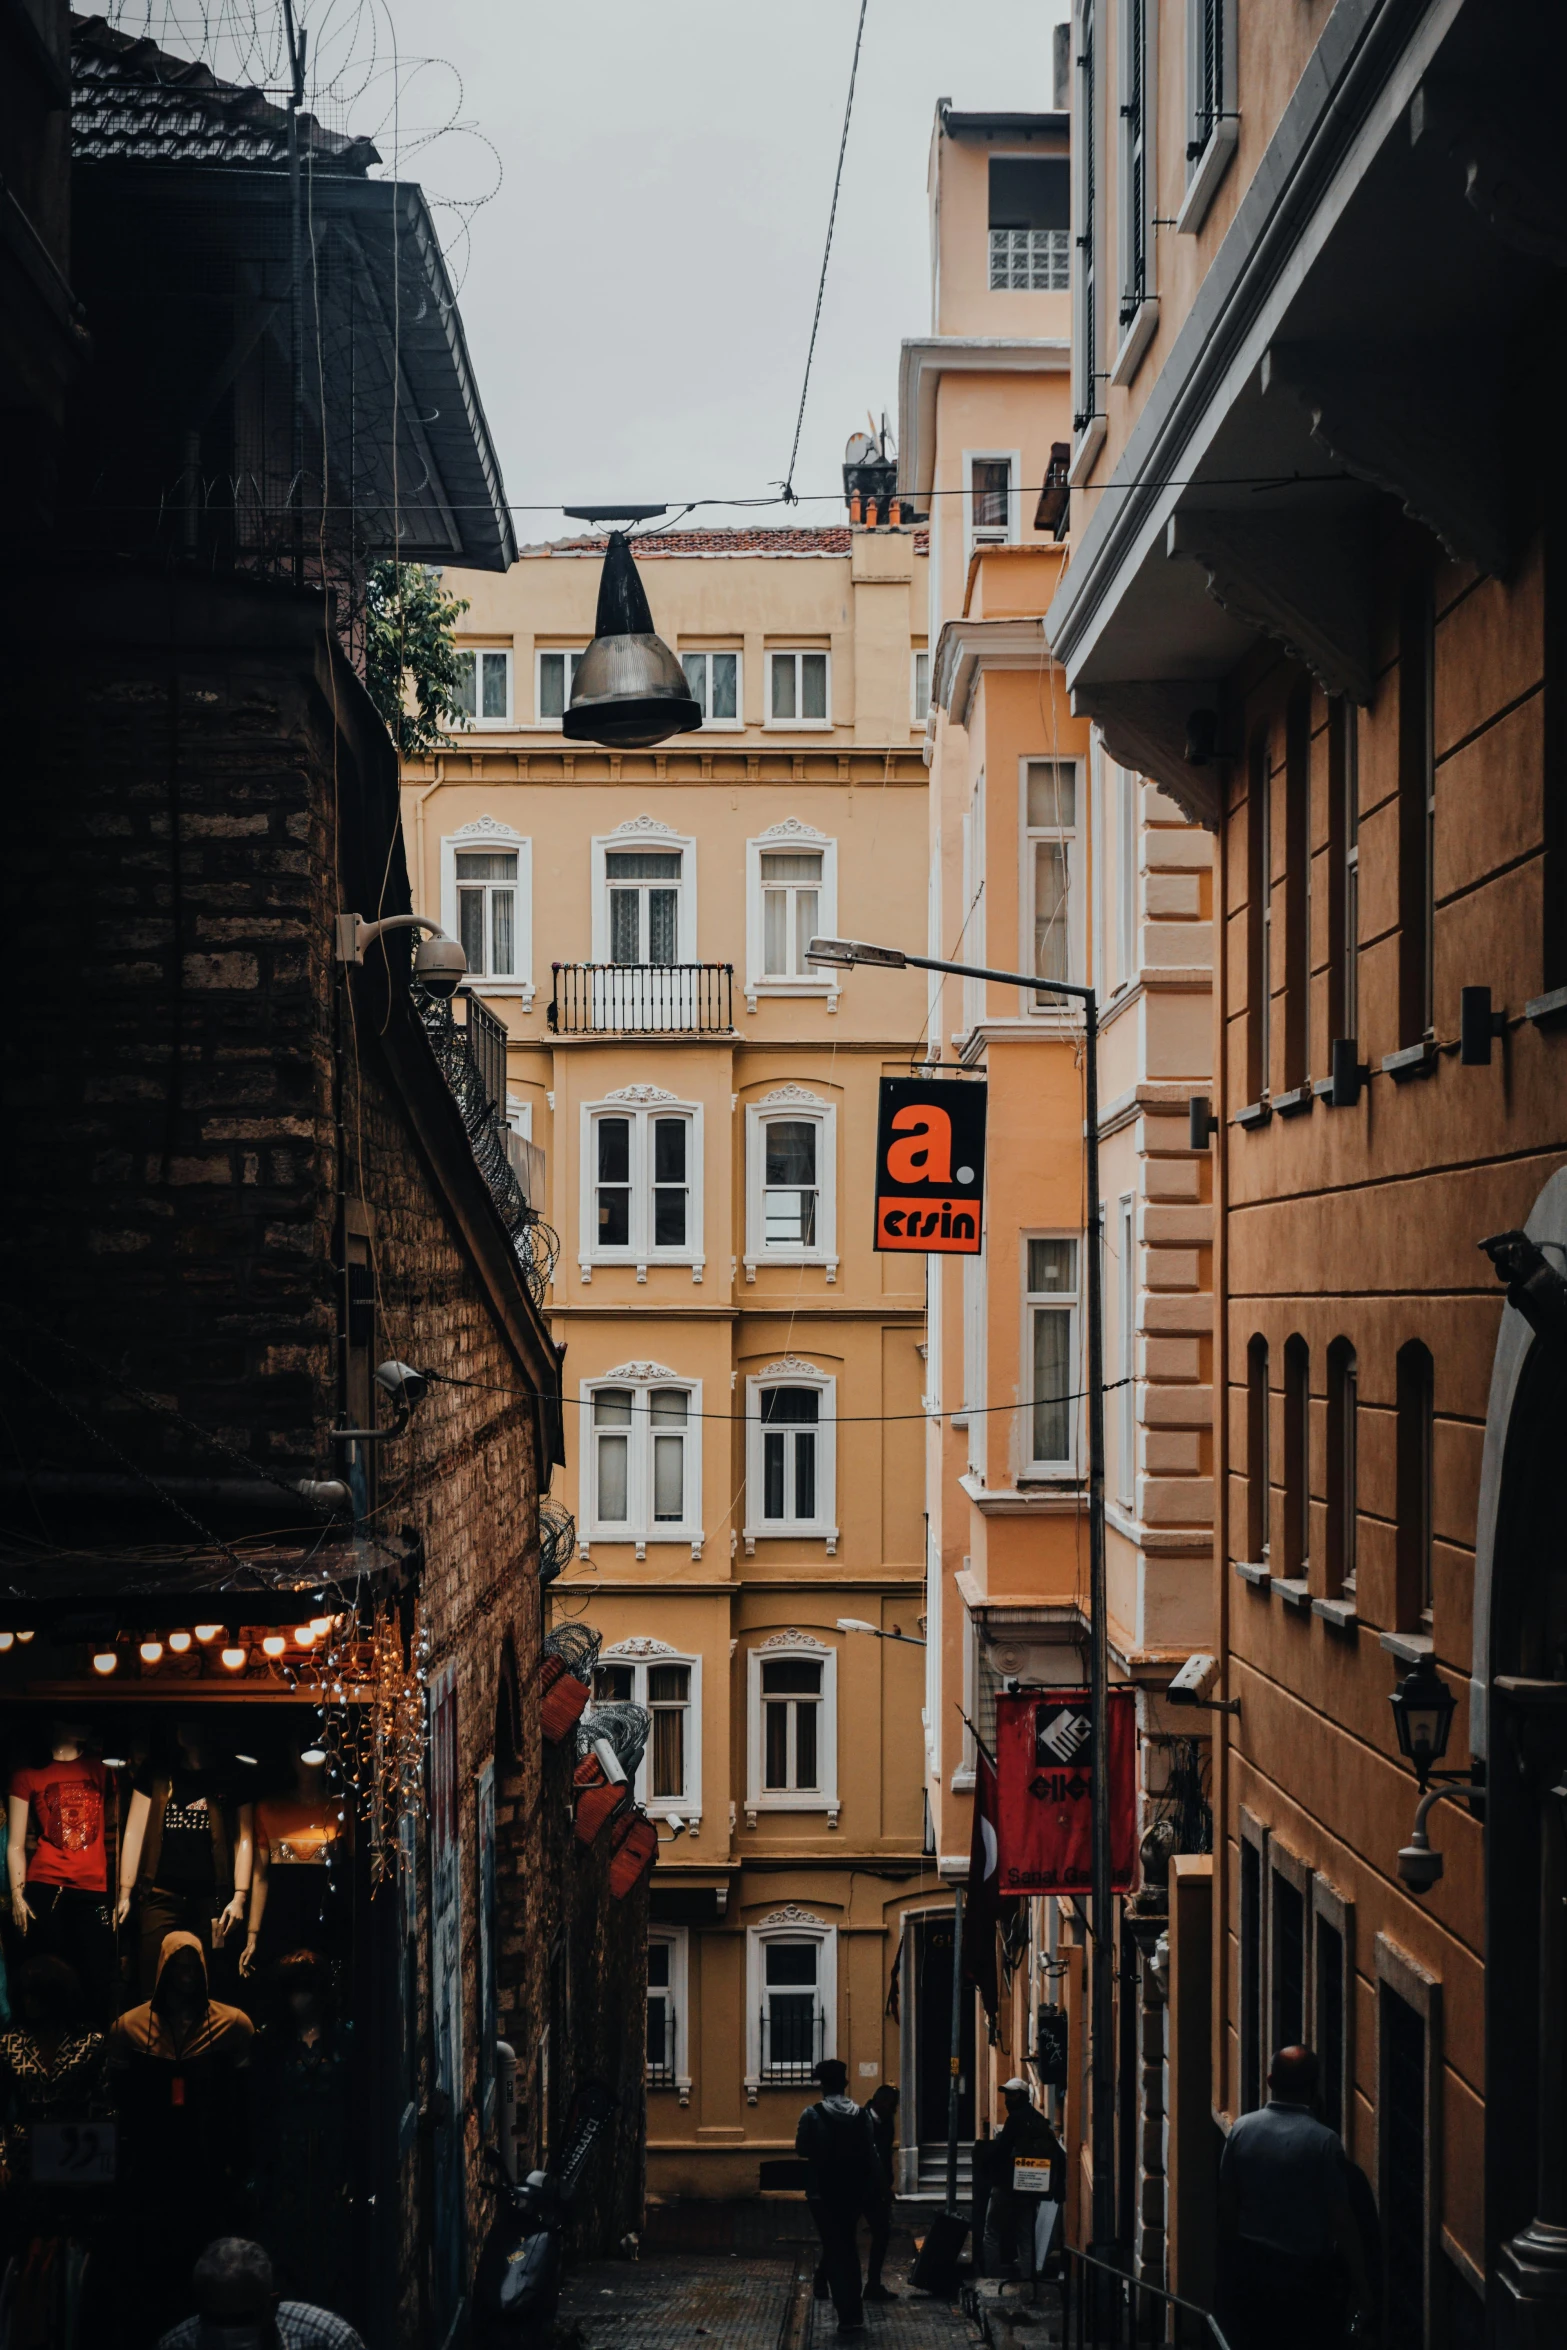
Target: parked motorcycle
516	2289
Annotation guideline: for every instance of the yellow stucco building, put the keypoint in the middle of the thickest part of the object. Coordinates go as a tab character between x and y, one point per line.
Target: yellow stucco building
744	1375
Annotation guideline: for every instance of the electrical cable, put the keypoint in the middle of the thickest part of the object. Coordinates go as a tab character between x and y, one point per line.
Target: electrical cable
1027	1403
821	283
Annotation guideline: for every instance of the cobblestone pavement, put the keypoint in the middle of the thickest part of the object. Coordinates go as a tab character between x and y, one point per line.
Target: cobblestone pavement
671	2302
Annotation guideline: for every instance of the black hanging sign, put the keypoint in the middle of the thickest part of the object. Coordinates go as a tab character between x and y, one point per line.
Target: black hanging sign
930	1165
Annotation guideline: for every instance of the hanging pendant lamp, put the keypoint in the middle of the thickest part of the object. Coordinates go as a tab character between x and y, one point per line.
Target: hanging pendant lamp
629	689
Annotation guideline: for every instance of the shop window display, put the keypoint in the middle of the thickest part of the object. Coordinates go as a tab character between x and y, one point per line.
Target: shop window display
60	1888
189	1852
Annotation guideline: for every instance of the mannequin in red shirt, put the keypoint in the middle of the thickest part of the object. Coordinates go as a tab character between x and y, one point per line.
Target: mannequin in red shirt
60	1890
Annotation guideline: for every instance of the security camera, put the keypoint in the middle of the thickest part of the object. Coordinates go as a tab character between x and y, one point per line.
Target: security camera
1419	1867
403	1383
439	965
1189	1683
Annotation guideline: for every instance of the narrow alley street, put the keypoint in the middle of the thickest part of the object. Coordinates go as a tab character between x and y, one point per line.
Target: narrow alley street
760	2300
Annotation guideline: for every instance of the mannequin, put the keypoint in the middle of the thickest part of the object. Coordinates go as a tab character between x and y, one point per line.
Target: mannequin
188	1876
59	1896
179	2070
296	1836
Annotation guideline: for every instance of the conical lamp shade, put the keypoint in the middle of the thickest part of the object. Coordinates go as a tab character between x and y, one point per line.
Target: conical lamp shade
629	689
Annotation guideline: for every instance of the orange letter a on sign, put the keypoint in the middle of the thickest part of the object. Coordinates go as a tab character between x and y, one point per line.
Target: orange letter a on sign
926	1157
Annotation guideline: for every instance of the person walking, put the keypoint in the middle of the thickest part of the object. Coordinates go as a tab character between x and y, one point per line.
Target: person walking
842	2178
1288	2239
881	2111
1011	2215
237	2308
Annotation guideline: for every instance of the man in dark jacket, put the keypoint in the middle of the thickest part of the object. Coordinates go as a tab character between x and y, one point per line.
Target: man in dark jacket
1025	2138
1288	2238
842	2179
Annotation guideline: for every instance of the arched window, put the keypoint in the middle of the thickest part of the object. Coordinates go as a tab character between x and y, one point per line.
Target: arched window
1297	1456
1257	1474
1343	1470
1416	1413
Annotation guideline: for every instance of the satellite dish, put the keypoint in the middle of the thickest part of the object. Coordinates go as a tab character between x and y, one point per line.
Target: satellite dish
861	449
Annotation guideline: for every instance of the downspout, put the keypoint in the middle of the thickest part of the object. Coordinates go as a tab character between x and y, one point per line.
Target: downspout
1228	1725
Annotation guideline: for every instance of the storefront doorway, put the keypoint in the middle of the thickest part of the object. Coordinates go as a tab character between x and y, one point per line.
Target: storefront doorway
930	1947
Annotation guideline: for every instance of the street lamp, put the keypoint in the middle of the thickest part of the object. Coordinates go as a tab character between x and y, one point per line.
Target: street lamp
1423	1710
844	953
856	1624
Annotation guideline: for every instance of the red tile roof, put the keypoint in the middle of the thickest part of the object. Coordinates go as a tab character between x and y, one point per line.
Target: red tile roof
828	538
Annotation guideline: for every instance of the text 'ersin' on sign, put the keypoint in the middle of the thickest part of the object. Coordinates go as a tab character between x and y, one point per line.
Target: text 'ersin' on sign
930	1165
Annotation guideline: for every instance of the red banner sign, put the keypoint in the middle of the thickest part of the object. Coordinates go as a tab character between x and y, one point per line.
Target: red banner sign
1044	1764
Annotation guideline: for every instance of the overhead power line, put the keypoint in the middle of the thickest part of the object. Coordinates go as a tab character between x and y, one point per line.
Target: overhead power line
821	283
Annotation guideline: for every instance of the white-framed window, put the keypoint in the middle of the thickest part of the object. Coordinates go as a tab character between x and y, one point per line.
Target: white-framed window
642	1458
792	1726
1050	790
1051	1262
554	675
1128	1363
644	895
791	1980
1212	122
668	2010
641	1181
799	687
791	897
1136	316
669	1685
714	679
487	904
993	508
1087	372
484	684
976	1419
791	1454
919	686
791	1180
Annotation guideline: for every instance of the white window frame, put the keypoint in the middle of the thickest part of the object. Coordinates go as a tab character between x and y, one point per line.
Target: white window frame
792	1101
640	1655
1127	1227
1014	528
641	1104
488	833
1206	169
638	1526
794	725
759	1798
782	837
917	716
792	1371
478	721
1069	1471
572	653
710	725
1059	1008
789	1924
647	833
677	1939
1137	313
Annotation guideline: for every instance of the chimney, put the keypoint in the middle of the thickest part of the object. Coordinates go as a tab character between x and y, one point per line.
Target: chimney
1061	58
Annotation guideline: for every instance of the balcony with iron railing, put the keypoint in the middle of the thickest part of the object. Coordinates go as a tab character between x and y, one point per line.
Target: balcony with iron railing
642	999
472	1057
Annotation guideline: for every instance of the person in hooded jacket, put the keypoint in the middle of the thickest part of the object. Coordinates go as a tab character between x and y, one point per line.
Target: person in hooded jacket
177	2066
835	2142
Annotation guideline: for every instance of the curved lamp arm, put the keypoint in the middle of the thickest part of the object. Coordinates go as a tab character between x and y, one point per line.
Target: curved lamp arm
354	934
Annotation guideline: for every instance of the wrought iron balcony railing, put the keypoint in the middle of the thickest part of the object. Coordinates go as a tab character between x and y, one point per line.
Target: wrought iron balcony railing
473	1061
642	999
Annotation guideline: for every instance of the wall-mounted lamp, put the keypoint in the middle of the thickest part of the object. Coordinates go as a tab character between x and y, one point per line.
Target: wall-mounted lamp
106	1662
1348	1073
207	1633
179	1642
439	963
1201	1124
232	1659
151	1652
1423	1710
857	1624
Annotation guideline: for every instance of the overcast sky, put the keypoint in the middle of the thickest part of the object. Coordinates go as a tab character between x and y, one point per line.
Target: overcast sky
638	292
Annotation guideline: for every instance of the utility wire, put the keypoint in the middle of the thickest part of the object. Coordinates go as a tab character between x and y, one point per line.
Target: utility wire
788	496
